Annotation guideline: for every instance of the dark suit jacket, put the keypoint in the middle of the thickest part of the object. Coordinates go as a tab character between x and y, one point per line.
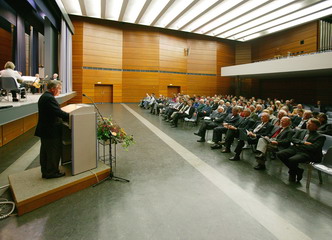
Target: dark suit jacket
296	121
284	138
233	120
245	123
49	123
314	150
325	129
264	131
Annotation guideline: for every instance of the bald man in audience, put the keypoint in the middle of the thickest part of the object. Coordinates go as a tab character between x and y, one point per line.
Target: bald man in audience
307	147
279	139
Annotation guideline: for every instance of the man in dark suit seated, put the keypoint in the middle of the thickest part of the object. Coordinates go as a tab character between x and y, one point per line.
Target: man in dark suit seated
325	127
279	139
231	119
260	129
233	131
186	113
49	130
216	118
307	147
306	116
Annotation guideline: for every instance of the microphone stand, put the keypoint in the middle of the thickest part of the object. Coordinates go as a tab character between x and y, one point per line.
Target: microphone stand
111	176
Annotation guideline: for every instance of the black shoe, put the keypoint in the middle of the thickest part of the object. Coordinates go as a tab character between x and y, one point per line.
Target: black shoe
196	134
226	150
201	140
299	174
216	146
260	167
15	100
56	175
292	178
235	158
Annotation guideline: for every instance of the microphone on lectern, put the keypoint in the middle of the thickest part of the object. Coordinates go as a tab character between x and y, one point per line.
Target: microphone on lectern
101	116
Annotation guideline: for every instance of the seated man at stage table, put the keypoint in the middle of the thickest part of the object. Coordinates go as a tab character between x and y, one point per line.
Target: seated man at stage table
216	118
260	129
279	139
307	147
10	72
49	130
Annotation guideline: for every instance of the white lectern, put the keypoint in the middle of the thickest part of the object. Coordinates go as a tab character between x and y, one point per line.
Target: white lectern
82	137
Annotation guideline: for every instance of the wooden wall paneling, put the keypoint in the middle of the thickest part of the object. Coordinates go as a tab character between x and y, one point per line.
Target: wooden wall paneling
169	79
140	49
30	122
242	53
137	84
12	130
202	85
202	57
77	56
286	41
102	46
225	57
92	77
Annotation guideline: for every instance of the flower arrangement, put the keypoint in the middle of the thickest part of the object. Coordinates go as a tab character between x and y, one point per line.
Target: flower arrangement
108	130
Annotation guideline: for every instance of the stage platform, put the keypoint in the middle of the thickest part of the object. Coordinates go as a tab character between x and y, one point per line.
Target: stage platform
30	191
11	111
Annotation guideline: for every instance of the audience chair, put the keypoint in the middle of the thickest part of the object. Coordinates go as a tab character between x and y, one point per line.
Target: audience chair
192	120
327	146
325	166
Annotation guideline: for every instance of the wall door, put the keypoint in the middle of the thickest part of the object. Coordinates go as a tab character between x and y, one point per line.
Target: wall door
103	93
171	90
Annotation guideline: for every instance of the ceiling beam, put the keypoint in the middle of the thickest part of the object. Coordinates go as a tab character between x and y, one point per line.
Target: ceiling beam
168	5
140	15
201	14
82	5
123	10
238	16
218	16
103	9
181	13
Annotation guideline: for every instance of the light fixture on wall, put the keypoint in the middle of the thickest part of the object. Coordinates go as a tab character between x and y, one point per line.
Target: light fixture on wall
186	51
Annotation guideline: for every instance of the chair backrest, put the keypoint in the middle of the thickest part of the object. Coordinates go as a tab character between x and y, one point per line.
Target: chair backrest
327	160
8	83
327	143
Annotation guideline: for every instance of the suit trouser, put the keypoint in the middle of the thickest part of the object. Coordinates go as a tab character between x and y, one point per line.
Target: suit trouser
229	138
50	154
241	144
178	116
206	125
291	157
264	145
217	133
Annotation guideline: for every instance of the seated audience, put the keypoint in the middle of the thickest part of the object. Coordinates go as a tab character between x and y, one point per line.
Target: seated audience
278	139
260	129
307	147
325	127
187	112
216	118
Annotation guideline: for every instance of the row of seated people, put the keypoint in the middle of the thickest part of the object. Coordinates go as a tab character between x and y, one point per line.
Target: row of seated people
293	137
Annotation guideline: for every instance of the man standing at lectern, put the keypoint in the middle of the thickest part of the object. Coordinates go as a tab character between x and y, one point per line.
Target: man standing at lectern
49	130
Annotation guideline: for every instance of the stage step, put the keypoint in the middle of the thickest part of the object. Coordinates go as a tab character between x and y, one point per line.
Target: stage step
30	191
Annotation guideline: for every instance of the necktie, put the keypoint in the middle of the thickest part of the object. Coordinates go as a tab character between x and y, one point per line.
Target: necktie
276	133
258	127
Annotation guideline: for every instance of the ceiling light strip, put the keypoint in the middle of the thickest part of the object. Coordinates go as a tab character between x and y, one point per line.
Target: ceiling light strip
234	13
191	5
113	9
216	13
123	9
296	22
82	6
163	11
200	15
262	11
146	5
296	13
